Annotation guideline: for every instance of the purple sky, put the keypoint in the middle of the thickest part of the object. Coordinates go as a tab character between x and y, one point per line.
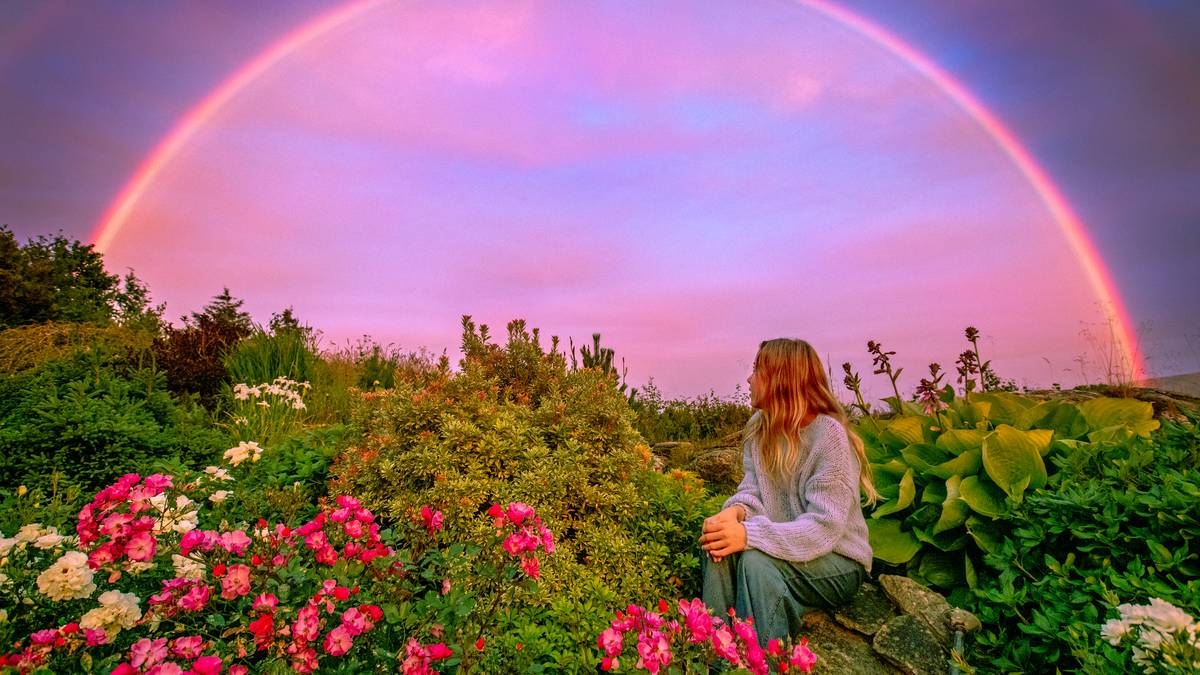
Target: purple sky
687	180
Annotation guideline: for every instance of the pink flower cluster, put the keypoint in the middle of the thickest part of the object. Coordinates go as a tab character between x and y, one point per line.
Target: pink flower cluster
181	655
529	535
43	642
349	523
306	630
736	643
188	595
113	520
419	658
432	520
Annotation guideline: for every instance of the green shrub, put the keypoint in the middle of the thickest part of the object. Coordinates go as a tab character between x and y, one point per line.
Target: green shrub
92	420
1117	524
32	346
517	425
289	479
193	355
705	417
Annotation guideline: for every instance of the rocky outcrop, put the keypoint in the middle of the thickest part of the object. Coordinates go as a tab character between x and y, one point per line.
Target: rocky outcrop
893	626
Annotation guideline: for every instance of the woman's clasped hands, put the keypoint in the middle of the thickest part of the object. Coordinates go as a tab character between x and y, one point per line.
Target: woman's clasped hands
724	534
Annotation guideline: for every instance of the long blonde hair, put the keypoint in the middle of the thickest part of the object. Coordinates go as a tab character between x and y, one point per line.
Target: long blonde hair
793	385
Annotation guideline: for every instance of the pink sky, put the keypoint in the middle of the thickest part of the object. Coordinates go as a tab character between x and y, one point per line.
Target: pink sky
686	182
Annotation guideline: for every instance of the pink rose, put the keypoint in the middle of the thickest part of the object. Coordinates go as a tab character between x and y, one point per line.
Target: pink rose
236	582
207	665
338	641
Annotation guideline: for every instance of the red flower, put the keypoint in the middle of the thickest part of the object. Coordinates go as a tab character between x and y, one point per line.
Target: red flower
479	645
218	570
439	651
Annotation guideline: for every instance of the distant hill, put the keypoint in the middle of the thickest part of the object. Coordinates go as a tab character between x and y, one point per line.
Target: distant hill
1188	384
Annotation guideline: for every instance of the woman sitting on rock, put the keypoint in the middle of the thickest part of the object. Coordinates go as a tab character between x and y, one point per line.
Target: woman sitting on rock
793	537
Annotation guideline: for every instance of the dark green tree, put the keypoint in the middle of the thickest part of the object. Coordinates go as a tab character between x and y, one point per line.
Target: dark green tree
59	279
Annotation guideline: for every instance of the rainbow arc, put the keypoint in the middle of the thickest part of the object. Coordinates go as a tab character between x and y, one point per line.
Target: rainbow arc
1069	223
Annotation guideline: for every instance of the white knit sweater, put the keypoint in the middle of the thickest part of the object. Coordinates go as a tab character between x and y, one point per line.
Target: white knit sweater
814	512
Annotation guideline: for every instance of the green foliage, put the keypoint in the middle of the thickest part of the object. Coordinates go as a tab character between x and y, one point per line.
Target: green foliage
91	420
517	425
58	279
288	481
946	479
31	346
1116	524
705	417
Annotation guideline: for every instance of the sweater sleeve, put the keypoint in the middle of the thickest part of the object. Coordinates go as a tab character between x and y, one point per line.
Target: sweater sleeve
748	494
831	492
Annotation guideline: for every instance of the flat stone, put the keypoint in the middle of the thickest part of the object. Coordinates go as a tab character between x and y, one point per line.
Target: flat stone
867	612
914	599
720	468
841	651
961	619
910	645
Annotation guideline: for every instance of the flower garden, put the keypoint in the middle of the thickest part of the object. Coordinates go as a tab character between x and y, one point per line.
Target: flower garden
223	498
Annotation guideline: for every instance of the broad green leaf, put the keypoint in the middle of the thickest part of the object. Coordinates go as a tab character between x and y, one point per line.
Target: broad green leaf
934	493
941	569
1041	438
954	540
887	482
1107	412
982	496
966	464
1119	433
1006	408
986	534
1013	459
974	413
954	510
877	453
890	544
1064	419
958	441
969	572
907	493
924	516
922	456
904	431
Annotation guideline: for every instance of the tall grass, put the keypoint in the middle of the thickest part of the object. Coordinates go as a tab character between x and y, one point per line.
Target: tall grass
363	365
263	356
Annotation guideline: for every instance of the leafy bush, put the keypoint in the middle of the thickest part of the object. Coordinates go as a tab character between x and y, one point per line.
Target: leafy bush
289	479
1117	524
193	355
517	425
704	417
949	478
91	420
32	346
